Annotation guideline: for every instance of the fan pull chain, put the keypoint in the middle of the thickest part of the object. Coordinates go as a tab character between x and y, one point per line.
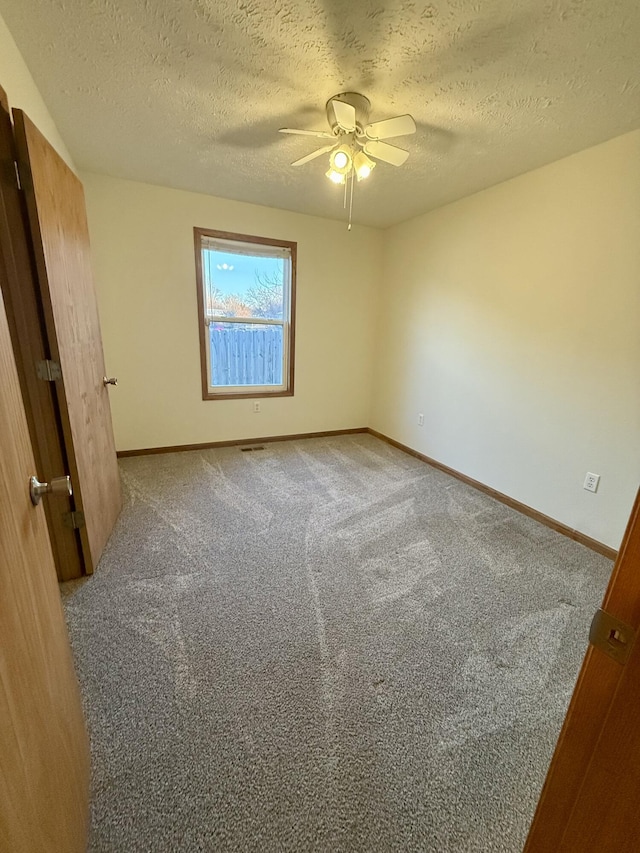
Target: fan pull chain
346	185
351	201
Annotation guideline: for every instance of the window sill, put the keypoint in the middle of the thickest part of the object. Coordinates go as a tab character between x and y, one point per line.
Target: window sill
245	395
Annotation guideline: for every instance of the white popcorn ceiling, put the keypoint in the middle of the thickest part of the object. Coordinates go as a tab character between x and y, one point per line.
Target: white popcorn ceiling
191	93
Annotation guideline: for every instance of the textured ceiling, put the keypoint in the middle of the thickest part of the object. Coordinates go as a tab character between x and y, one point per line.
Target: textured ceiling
191	93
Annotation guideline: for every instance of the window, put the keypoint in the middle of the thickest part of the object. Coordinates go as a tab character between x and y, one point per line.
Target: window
246	310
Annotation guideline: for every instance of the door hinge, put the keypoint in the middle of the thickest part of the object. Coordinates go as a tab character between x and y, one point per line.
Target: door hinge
15	164
612	636
74	520
48	370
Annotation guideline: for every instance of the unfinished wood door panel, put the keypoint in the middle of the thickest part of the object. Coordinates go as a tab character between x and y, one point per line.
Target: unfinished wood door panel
590	798
26	323
57	216
44	758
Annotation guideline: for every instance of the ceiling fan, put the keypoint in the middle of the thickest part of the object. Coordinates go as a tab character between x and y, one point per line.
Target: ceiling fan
354	139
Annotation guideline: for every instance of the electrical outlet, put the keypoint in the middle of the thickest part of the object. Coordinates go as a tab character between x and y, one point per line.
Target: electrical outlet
420	419
256	405
591	482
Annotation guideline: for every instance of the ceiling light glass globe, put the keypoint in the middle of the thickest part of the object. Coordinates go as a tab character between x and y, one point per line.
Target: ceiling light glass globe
336	177
340	160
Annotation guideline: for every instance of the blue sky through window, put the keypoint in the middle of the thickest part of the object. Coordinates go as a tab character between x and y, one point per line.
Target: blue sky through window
244	274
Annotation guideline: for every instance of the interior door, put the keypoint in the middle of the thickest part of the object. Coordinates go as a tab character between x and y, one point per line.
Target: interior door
44	758
58	222
590	798
22	303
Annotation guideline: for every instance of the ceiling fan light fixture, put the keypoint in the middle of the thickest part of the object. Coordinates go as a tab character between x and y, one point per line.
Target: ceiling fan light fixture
341	160
363	165
336	177
355	140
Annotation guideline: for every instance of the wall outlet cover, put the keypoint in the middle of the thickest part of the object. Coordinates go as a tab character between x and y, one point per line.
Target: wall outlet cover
591	482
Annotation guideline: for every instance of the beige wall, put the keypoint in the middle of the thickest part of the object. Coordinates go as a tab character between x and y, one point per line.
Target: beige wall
511	319
16	80
142	242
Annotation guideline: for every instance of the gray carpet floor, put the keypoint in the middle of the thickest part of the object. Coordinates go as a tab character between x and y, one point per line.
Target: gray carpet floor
325	645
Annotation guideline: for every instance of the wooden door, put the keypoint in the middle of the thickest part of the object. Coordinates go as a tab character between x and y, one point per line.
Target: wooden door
591	798
44	757
58	221
22	302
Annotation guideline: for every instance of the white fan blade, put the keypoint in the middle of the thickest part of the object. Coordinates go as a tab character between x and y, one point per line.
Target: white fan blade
397	126
313	155
384	151
345	115
323	134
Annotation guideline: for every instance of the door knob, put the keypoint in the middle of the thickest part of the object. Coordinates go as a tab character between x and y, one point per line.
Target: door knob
113	380
57	486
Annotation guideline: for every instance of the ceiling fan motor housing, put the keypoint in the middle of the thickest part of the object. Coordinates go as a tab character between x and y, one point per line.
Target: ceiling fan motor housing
361	105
